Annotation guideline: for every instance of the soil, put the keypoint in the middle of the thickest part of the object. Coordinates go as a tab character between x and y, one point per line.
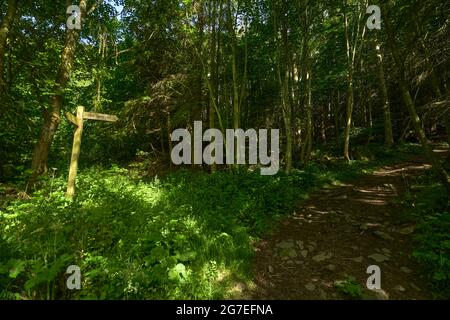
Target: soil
336	234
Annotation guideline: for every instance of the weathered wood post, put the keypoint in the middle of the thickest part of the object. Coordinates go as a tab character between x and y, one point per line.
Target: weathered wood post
78	121
75	153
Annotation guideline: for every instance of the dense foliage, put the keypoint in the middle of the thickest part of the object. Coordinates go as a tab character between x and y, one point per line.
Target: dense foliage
344	98
188	235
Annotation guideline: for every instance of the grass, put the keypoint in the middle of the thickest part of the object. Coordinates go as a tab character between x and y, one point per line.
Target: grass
188	235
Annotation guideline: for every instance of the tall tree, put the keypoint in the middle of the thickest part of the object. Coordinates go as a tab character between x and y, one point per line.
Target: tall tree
5	28
52	115
388	134
351	41
409	103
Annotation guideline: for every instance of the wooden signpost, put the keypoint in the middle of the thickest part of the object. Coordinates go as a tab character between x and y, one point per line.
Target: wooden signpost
78	122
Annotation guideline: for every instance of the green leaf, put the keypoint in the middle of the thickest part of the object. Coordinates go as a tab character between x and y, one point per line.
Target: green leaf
16	267
178	272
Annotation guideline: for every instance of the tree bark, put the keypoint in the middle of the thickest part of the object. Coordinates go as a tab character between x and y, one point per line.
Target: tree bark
388	135
350	96
283	79
5	28
52	116
351	58
213	95
307	145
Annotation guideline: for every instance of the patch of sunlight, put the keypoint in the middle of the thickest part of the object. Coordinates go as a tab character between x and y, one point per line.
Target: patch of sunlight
337	183
373	202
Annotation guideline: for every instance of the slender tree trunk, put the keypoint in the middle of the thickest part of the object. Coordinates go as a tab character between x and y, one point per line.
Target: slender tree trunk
169	137
336	110
388	135
309	116
284	81
307	146
197	107
323	124
213	58
5	28
350	96
447	127
438	168
351	58
282	54
236	106
53	114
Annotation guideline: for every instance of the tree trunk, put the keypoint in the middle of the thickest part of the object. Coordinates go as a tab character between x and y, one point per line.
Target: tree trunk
351	58
447	127
306	154
350	97
5	28
388	135
52	115
236	106
213	95
307	146
438	168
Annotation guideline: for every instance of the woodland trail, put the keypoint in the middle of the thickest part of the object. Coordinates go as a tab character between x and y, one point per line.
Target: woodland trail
338	233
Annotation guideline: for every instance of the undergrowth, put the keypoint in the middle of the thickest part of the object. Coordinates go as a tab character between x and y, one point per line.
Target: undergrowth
188	235
429	205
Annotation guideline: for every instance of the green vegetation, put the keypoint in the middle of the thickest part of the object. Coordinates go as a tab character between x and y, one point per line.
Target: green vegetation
428	204
350	288
346	99
187	235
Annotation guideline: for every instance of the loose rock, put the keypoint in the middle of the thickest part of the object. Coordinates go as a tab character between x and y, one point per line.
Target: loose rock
379	257
322	257
310	287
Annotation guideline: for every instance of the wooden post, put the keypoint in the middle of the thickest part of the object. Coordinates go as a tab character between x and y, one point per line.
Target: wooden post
75	153
78	121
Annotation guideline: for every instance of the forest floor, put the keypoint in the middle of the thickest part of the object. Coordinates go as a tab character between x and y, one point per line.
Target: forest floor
336	234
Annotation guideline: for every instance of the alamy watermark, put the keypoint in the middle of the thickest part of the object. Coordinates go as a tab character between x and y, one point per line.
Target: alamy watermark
74	280
374	21
229	150
374	281
74	20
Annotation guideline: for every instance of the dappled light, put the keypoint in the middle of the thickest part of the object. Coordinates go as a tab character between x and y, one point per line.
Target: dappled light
224	150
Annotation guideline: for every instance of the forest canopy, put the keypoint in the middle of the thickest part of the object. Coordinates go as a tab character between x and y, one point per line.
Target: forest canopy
345	82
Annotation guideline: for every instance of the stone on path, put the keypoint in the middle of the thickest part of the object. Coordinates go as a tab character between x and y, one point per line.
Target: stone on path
415	287
381	294
358	260
310	287
285	244
383	235
300	244
405	270
379	257
407	230
400	288
331	267
369	225
322	257
292	253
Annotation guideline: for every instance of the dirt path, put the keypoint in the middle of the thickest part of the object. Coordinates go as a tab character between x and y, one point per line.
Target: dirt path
340	232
